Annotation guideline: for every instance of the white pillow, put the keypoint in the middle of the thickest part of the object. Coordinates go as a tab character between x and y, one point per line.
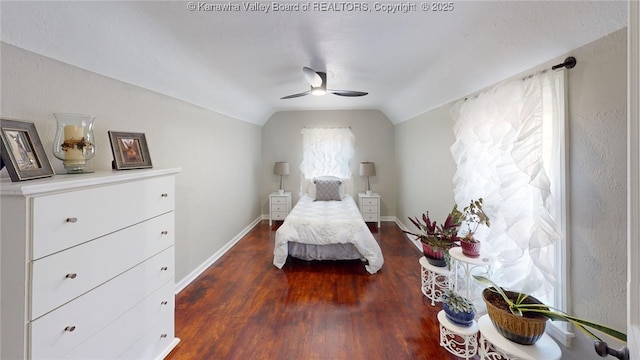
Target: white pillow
312	187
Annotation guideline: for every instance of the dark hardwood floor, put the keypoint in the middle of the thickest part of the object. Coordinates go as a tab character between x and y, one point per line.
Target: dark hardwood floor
243	307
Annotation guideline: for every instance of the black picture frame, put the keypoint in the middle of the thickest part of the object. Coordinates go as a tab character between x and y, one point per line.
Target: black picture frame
22	151
130	150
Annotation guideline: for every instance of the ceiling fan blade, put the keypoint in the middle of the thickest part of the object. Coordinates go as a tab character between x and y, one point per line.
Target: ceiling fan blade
347	93
313	78
297	95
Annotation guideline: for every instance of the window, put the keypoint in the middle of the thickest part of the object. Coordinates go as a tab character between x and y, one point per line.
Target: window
510	151
327	151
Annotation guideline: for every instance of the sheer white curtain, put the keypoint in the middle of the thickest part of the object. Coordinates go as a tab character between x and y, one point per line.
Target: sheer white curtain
327	151
506	150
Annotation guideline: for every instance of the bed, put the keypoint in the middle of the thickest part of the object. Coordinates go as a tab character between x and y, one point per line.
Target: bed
326	224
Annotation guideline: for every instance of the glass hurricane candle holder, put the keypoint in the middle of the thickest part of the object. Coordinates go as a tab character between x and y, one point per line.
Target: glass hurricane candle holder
74	141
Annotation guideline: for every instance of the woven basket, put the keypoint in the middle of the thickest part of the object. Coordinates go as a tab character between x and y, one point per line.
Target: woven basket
525	330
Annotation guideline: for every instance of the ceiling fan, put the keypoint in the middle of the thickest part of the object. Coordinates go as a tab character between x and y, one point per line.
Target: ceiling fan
318	82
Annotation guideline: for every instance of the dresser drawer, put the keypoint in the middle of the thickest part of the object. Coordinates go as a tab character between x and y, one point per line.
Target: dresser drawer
63	276
147	317
278	215
96	309
67	219
275	208
369	209
280	200
370	217
369	201
156	340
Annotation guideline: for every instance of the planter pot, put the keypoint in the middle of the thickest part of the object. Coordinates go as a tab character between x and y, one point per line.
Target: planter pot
470	249
435	258
525	330
463	319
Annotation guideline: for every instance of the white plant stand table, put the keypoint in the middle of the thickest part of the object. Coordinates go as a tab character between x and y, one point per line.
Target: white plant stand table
458	340
494	346
463	266
435	280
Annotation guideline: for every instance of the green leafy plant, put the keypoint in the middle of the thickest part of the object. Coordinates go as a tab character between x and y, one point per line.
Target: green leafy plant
518	307
439	237
474	216
457	303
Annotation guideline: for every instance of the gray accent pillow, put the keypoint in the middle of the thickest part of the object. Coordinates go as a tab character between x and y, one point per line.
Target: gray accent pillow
327	190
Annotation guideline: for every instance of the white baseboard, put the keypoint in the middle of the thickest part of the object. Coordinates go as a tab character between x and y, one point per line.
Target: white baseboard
400	224
200	269
415	241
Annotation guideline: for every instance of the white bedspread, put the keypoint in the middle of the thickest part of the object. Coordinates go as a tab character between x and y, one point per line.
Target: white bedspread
327	222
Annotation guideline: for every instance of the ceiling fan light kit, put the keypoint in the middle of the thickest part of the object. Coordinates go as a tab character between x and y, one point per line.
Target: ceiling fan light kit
318	91
318	82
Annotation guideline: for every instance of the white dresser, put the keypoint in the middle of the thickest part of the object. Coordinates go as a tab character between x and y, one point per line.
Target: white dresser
369	207
279	206
87	266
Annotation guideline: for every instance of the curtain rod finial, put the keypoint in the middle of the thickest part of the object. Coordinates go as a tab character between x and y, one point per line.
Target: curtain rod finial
569	63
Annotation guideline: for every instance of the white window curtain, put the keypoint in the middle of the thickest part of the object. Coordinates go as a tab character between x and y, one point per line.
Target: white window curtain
507	150
327	151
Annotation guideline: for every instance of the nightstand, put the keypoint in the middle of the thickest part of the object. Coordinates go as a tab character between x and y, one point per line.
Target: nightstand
279	206
369	207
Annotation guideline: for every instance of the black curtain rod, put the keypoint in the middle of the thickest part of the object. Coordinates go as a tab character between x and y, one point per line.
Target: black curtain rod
569	63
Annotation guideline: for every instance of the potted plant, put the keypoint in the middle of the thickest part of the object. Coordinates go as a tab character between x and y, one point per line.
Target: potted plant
438	239
474	216
458	309
522	318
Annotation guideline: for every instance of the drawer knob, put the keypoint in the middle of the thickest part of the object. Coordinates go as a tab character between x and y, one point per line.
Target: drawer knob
163	335
164	302
69	328
72	220
164	232
164	268
71	276
164	195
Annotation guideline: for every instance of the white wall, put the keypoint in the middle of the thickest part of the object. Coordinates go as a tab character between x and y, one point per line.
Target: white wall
425	166
597	118
598	135
217	190
282	141
633	145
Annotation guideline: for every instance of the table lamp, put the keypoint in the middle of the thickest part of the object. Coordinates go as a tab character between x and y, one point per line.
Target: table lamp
281	168
367	169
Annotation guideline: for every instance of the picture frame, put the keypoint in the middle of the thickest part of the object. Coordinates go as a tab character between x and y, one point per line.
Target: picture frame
130	150
22	151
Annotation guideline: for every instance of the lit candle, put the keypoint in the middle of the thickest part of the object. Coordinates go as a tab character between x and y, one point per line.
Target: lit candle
72	135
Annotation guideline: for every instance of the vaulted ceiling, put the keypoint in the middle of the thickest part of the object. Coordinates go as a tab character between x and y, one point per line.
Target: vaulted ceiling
239	58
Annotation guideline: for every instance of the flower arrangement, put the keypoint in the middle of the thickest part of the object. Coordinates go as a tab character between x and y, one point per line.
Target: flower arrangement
457	303
474	216
515	304
439	238
458	309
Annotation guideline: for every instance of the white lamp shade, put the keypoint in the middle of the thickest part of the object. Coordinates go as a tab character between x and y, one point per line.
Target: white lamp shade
367	168
281	168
